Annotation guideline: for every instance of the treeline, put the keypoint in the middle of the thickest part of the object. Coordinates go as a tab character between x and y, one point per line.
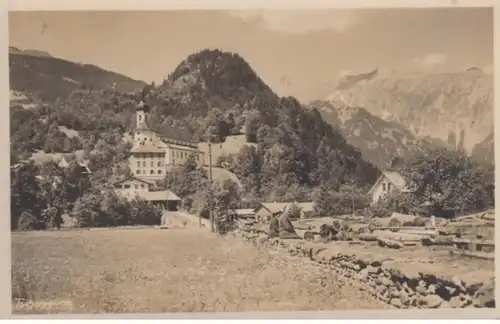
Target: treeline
443	182
191	183
42	196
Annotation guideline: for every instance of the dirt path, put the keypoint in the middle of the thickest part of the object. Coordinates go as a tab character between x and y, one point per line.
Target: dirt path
178	270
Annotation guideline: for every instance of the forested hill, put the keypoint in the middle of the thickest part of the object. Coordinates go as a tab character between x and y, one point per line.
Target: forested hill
215	94
45	78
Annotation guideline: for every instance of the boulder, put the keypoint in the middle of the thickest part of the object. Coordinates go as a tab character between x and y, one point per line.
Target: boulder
396	302
455	302
485	296
431	301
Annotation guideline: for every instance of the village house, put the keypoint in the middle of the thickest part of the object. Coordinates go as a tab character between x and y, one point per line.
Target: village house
267	210
61	162
155	150
387	183
133	187
248	213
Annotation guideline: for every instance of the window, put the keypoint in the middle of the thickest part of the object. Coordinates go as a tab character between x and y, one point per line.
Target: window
152	164
388	187
144	163
142	186
138	164
159	163
127	186
118	186
384	186
159	171
152	172
140	117
136	186
138	171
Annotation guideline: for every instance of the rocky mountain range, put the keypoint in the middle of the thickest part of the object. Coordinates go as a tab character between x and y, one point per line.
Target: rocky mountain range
439	105
378	140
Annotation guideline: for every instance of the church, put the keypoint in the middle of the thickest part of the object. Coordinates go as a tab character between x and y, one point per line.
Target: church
155	150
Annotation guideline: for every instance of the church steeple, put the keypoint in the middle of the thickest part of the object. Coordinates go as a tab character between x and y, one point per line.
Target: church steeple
141	115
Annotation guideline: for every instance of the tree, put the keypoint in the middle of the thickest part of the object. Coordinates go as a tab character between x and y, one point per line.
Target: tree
252	123
448	179
225	199
25	192
322	205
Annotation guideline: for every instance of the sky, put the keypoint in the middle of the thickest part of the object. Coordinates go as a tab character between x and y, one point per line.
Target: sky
297	53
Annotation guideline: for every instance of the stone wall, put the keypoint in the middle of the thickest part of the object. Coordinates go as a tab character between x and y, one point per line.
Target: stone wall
393	283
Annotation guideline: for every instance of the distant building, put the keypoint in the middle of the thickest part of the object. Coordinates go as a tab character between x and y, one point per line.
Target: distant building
61	162
132	187
244	213
387	183
267	210
154	150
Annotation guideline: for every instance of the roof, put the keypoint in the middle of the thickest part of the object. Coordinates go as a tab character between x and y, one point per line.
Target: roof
172	132
281	206
403	217
147	148
116	180
395	178
244	211
158	195
41	157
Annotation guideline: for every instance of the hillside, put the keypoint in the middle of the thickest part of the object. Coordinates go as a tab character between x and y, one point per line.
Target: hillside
378	140
215	93
437	105
42	77
231	145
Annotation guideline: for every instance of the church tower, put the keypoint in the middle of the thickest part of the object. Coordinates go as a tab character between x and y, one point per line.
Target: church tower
141	115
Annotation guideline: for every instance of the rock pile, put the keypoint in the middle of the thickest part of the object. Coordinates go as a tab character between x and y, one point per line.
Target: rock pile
395	286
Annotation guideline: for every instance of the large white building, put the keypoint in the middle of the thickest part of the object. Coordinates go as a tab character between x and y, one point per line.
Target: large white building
155	150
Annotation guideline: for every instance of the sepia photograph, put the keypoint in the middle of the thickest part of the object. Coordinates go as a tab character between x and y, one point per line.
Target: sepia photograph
257	160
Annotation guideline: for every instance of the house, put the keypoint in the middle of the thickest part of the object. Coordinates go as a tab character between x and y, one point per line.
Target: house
60	161
244	213
267	210
133	187
155	149
167	199
388	182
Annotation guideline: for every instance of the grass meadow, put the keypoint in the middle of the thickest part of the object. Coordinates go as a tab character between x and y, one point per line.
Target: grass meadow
175	270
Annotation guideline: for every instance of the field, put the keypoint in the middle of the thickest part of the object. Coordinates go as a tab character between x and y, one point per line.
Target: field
172	270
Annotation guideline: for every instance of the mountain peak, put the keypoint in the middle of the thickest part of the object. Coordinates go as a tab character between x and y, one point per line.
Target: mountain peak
30	52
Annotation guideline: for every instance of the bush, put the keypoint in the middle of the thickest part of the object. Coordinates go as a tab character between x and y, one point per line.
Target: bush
27	222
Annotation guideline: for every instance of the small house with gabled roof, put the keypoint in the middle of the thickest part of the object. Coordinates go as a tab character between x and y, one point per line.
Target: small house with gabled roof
132	187
387	183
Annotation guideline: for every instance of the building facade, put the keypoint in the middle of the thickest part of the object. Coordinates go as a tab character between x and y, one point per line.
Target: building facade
155	150
387	183
133	187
